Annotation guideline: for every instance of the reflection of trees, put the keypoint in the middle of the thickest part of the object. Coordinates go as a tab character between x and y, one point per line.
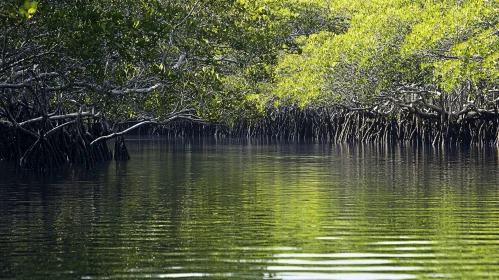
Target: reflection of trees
184	207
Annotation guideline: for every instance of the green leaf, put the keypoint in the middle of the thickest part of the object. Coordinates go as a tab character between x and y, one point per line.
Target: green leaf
27	5
28	8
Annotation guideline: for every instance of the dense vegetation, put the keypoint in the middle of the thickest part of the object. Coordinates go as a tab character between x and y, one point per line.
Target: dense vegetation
76	73
405	70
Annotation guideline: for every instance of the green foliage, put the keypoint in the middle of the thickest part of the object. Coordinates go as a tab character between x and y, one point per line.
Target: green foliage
28	8
222	58
17	10
192	49
458	40
391	43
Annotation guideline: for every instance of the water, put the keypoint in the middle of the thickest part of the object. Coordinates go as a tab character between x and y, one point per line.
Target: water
250	210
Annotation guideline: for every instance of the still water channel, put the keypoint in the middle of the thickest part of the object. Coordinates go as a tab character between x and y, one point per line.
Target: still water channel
254	210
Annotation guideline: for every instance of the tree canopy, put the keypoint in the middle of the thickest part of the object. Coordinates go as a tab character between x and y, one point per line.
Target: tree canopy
123	63
394	46
65	63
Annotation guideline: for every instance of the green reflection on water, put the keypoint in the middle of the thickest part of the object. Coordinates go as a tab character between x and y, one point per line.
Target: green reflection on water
253	210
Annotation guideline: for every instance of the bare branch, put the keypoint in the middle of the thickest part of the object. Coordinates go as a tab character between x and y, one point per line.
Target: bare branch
59	127
5	123
117	91
61	117
116	134
179	62
179	115
27	82
138	90
6	66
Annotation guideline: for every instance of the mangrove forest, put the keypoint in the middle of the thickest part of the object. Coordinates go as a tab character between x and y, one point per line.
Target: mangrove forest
75	74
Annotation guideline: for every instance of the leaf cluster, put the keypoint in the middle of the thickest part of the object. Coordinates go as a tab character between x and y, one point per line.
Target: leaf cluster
391	44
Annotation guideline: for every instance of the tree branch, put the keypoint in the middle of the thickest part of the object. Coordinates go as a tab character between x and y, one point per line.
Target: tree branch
178	115
61	117
137	90
27	82
117	91
59	127
116	134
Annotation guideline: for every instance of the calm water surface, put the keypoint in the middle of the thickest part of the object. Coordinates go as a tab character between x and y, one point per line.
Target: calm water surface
238	209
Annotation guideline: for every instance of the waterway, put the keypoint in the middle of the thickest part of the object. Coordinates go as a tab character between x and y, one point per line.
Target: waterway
240	209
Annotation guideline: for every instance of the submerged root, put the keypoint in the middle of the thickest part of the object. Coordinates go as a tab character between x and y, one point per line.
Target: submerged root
52	150
120	150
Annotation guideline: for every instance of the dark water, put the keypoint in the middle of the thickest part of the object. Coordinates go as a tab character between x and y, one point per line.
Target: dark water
191	209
